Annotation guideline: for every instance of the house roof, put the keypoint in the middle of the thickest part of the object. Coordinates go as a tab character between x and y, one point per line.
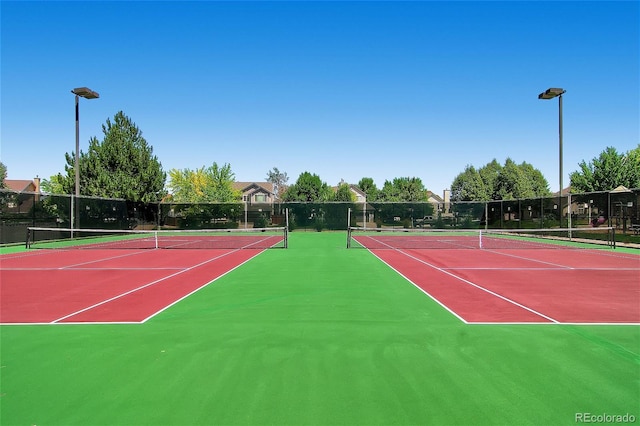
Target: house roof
357	190
434	197
246	186
352	187
565	191
19	185
621	188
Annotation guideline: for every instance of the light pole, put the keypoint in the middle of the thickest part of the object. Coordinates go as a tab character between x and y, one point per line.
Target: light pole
550	94
86	93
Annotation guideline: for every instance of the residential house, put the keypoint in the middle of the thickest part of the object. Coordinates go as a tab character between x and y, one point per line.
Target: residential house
255	192
21	185
359	195
28	192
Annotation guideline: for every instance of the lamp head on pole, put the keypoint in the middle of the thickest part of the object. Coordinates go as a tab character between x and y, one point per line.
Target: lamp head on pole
85	92
551	93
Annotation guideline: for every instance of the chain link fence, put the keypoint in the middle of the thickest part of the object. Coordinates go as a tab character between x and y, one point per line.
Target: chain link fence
619	209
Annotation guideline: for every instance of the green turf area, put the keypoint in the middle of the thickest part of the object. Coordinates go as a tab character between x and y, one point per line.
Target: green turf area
315	335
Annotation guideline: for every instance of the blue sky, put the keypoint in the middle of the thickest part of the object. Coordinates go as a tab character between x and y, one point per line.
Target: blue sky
344	90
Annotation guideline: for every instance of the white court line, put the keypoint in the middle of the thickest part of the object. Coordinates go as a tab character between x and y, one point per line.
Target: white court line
421	289
528	259
470	268
103	259
550	323
163	268
141	287
506	299
493	293
199	288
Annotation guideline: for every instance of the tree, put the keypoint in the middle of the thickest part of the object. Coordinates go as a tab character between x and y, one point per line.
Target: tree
3	175
122	165
211	184
469	186
279	180
496	182
53	185
489	174
403	190
308	188
539	184
608	171
512	183
632	168
367	186
343	193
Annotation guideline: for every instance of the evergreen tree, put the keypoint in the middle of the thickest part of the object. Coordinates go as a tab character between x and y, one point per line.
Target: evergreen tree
3	175
122	165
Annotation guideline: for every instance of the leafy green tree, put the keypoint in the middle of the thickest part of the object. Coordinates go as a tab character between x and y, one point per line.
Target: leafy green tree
122	165
632	168
279	180
53	185
367	186
403	189
608	171
497	182
539	184
308	188
343	193
489	174
512	183
3	175
469	186
211	184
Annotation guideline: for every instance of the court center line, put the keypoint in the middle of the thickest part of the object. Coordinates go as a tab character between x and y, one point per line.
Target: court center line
141	287
103	259
529	259
445	307
506	299
199	288
493	293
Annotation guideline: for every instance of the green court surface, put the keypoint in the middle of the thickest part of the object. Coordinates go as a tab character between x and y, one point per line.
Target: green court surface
315	335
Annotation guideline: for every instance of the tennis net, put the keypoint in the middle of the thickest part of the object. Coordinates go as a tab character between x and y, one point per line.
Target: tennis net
559	238
246	238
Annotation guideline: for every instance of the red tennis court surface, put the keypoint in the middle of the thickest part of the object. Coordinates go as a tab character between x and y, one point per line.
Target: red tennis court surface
525	286
105	286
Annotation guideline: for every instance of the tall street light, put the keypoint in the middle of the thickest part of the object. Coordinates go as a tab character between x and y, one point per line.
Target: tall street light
550	94
86	93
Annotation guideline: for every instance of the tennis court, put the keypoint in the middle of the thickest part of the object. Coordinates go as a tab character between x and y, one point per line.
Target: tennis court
318	334
514	276
119	276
